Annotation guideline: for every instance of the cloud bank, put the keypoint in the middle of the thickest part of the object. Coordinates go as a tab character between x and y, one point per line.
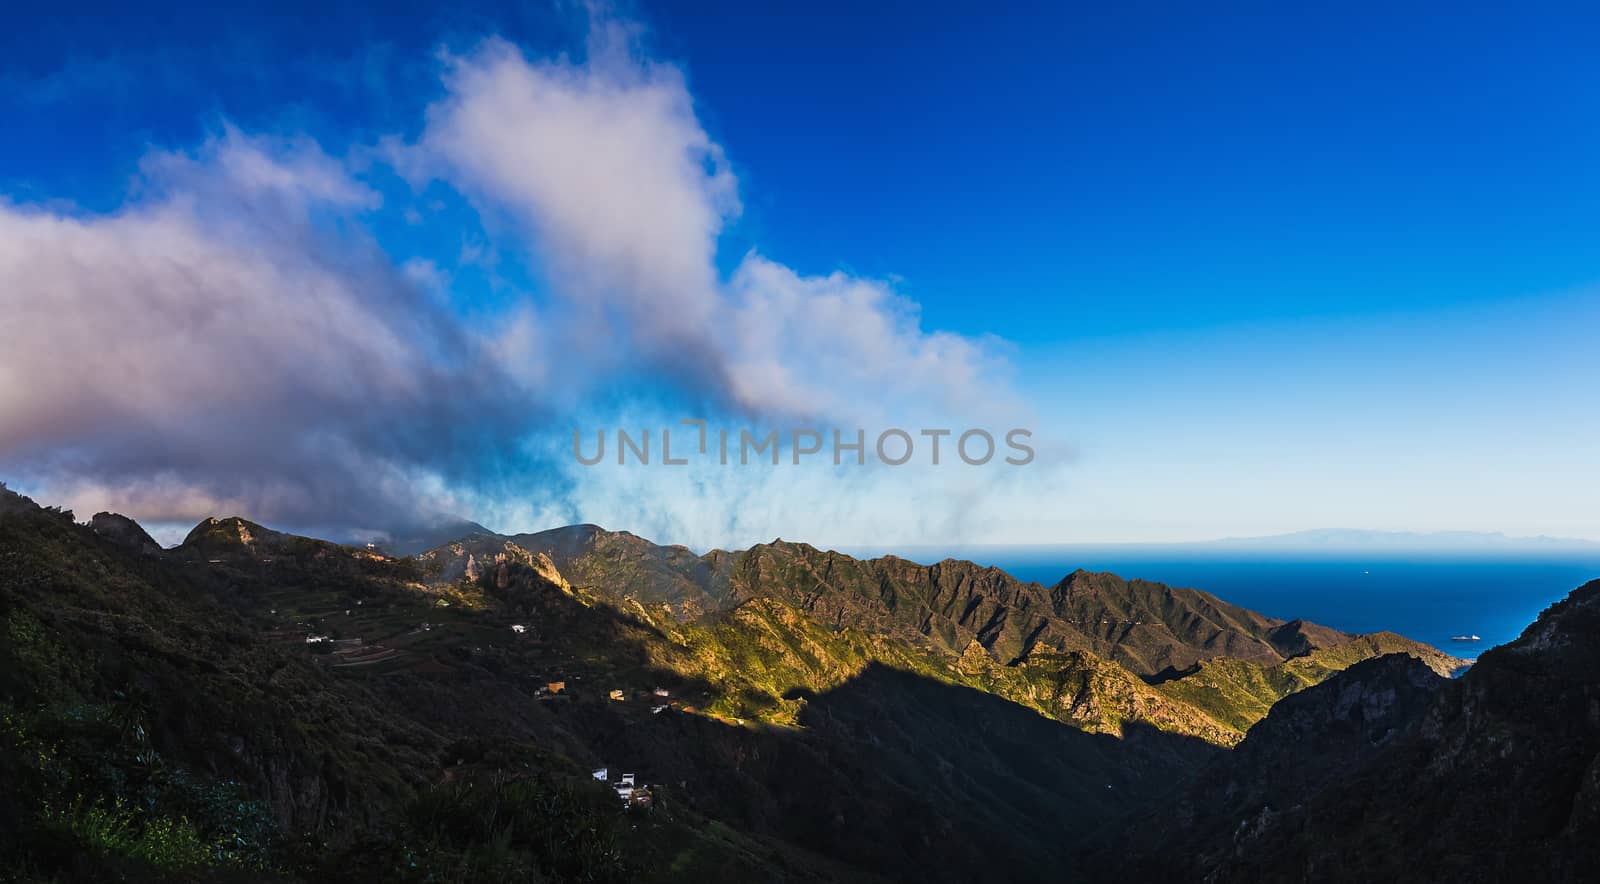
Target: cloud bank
238	336
228	341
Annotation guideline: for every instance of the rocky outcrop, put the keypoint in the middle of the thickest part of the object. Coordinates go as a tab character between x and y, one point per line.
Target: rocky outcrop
125	531
229	536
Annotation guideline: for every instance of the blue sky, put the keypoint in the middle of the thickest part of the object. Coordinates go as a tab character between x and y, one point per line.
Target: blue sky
1243	270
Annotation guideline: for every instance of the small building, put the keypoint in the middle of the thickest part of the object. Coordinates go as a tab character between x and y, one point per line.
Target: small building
556	687
317	639
600	773
661	692
657	710
518	628
617	695
641	798
627	780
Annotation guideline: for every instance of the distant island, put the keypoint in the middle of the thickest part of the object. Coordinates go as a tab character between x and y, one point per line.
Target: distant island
1434	541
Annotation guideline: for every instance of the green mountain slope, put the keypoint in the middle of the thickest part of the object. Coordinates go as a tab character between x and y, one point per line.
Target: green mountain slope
1238	693
976	626
290	708
1145	627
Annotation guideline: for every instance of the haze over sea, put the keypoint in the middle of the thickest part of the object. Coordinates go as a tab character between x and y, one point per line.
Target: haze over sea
1429	596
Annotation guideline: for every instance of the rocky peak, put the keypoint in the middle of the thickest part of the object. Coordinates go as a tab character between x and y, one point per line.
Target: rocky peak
230	532
120	529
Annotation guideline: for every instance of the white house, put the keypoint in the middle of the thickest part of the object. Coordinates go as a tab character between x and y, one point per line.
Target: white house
600	774
518	628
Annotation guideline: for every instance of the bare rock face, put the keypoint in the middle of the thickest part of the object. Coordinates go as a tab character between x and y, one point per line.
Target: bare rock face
125	531
504	561
546	569
975	658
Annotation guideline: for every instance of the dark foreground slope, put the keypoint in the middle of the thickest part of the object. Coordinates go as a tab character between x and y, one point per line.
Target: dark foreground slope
164	716
1386	772
263	706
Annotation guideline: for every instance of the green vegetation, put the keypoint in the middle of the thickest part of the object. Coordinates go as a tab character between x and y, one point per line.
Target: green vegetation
85	785
491	828
121	832
819	718
1239	693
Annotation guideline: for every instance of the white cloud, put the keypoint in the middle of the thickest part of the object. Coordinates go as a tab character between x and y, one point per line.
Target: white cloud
605	168
232	340
845	348
214	346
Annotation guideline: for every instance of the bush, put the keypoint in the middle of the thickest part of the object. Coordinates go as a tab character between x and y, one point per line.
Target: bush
121	831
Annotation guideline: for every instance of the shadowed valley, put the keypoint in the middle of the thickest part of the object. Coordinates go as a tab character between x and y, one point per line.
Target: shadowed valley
291	708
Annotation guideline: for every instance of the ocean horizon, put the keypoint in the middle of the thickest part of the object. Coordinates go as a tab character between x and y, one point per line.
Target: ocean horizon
1428	596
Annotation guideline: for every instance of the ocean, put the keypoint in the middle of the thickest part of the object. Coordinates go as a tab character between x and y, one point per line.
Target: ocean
1430	597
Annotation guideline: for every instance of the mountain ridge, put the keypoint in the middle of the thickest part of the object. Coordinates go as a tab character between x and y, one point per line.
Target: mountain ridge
818	708
1161	634
950	602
